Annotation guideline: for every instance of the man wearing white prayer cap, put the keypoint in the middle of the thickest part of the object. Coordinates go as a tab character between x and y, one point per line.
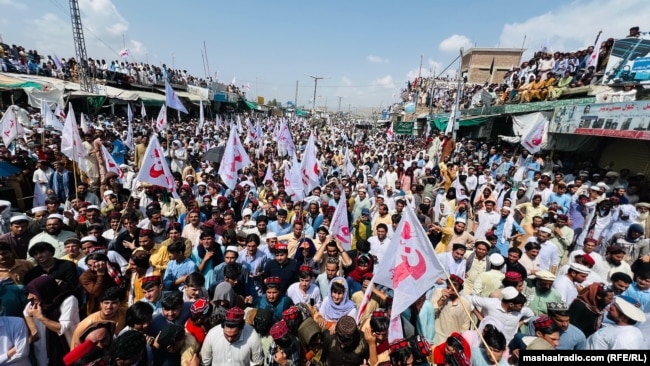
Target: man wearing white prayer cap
624	334
53	234
18	236
569	285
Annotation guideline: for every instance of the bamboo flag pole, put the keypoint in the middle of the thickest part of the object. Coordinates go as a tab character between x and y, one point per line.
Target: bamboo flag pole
466	310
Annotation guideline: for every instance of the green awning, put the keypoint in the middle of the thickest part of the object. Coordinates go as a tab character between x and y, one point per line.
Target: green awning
251	105
302	113
441	122
8	82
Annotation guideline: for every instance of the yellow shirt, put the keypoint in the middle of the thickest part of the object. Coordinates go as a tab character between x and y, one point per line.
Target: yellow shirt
292	243
159	257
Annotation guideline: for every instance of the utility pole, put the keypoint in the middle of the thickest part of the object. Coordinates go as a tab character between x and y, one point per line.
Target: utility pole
339	110
295	99
85	82
313	103
458	95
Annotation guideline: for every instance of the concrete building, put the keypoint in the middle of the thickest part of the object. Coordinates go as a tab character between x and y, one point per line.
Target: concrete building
477	61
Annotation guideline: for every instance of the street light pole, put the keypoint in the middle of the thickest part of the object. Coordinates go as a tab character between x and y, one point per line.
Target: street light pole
316	78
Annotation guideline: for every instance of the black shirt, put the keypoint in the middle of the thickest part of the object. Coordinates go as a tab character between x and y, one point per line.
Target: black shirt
287	272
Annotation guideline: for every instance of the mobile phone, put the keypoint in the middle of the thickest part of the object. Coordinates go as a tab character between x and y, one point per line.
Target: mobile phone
311	302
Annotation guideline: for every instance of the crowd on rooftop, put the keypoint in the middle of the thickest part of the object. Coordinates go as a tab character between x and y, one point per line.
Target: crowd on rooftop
545	76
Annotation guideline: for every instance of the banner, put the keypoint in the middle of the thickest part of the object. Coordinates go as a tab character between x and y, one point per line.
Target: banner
404	128
629	61
623	120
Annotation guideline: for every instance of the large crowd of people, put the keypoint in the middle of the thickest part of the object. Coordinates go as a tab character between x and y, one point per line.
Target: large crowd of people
539	252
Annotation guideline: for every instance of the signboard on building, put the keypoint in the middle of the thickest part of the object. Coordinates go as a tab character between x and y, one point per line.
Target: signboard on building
404	128
630	120
629	61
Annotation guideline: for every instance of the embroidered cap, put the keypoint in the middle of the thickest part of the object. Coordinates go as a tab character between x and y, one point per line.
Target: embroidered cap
235	314
514	276
279	330
456	279
542	322
272	282
557	306
398	344
200	308
290	313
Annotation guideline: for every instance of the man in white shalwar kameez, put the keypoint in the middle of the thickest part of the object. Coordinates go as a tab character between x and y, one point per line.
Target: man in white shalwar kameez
623	334
40	178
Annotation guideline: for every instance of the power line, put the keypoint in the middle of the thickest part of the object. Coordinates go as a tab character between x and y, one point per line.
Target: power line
67	13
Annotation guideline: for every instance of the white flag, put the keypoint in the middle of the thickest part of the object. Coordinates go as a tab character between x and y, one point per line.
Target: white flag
286	140
124	52
111	165
172	99
390	134
258	129
59	111
10	127
129	112
366	299
287	180
309	166
348	167
297	194
84	123
234	158
251	132
154	169
535	137
269	174
340	228
593	58
161	121
71	144
129	136
143	111
411	268
201	117
240	129
452	120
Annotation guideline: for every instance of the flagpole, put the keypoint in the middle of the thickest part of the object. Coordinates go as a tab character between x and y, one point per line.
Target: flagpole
465	309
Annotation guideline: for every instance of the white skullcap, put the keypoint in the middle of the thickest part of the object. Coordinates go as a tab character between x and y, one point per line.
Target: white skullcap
509	293
39	209
18	218
89	238
579	268
55	216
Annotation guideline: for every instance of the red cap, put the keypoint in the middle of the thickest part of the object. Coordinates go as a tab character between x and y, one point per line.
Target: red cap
235	314
78	352
398	344
589	259
272	281
279	330
542	322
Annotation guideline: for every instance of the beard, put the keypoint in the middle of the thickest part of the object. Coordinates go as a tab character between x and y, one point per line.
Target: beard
642	217
543	290
614	262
